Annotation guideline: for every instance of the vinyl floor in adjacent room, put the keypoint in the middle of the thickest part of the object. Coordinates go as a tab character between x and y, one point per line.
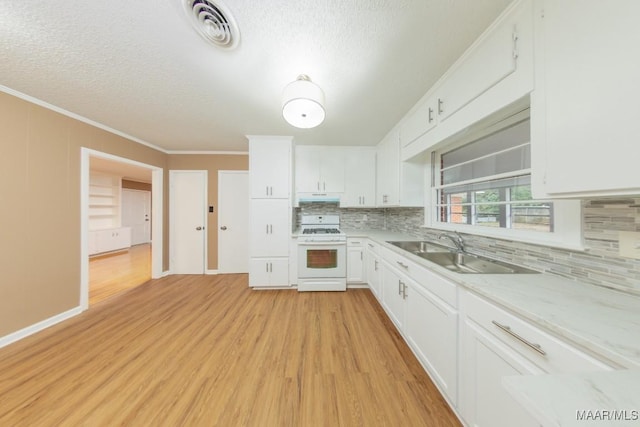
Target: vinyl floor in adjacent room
208	351
113	273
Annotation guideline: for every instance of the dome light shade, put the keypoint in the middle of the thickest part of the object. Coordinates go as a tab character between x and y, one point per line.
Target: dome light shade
303	103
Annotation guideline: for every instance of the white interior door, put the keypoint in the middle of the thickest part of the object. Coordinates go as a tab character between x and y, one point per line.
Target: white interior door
233	222
188	196
136	214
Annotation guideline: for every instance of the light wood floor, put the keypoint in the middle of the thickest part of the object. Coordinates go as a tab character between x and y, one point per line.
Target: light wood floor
208	351
114	273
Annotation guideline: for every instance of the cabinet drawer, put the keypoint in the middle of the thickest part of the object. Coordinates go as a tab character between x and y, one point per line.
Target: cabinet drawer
355	242
434	283
546	351
372	246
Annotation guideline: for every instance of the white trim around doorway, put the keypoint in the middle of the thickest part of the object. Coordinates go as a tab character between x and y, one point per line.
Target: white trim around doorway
157	192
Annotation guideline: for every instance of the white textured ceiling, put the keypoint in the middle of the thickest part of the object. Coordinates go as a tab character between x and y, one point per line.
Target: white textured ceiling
140	68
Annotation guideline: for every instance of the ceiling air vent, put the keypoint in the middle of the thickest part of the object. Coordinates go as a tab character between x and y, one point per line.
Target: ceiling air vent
213	22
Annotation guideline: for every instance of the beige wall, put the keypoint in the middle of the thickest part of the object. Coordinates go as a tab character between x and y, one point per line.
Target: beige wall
212	163
40	208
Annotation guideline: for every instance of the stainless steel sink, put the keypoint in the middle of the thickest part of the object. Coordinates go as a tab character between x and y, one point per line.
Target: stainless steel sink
473	264
419	247
460	262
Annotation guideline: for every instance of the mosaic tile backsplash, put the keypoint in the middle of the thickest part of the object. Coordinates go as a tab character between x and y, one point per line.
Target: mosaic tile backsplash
600	265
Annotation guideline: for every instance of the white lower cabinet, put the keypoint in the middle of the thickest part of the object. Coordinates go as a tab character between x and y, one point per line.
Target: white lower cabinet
428	324
372	268
496	344
431	326
264	272
112	239
484	361
355	261
466	343
393	285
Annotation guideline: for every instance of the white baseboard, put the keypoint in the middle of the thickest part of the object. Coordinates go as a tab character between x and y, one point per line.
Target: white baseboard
357	286
37	327
212	272
165	273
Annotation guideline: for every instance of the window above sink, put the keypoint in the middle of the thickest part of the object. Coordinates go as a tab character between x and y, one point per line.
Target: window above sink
480	183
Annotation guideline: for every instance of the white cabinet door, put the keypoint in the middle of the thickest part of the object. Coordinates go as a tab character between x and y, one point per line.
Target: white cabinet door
264	272
392	295
269	168
431	329
397	183
332	171
419	121
388	170
279	272
270	229
307	171
584	111
112	239
360	178
372	269
494	73
355	263
481	68
121	238
319	169
484	361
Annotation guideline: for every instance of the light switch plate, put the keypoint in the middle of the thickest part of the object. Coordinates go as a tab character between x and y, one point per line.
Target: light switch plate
629	244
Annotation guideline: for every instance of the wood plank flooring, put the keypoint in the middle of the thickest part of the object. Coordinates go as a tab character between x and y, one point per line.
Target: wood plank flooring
208	351
114	273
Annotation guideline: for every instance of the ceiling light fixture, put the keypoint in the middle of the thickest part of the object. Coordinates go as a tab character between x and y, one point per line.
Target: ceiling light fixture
303	103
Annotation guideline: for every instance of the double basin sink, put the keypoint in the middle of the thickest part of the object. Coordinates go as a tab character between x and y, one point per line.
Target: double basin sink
460	262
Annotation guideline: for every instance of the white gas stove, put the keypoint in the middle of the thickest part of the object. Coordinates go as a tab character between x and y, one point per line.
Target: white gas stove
321	228
322	254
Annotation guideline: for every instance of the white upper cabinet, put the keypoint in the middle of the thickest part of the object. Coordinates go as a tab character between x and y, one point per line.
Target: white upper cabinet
421	119
494	72
584	110
398	183
270	167
319	169
360	177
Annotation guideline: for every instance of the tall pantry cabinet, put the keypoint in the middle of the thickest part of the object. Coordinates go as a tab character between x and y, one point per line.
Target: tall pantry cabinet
270	160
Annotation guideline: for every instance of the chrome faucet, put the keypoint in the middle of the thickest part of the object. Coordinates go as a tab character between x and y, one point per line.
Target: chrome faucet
457	239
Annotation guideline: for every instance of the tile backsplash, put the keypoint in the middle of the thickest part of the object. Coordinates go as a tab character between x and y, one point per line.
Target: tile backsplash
357	219
600	264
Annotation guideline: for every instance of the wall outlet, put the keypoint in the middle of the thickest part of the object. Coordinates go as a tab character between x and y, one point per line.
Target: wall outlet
629	244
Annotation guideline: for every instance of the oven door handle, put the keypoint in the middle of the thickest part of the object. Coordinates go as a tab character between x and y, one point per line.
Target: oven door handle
325	243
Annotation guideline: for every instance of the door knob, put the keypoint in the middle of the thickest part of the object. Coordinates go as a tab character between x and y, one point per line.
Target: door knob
198	228
224	227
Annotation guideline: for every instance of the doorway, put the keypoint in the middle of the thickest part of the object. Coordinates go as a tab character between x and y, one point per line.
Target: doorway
233	222
136	214
154	250
187	216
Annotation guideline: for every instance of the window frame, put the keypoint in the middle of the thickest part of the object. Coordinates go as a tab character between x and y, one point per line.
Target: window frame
567	214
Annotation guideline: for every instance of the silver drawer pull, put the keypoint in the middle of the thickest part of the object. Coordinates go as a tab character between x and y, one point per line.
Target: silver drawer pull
370	245
402	264
531	345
